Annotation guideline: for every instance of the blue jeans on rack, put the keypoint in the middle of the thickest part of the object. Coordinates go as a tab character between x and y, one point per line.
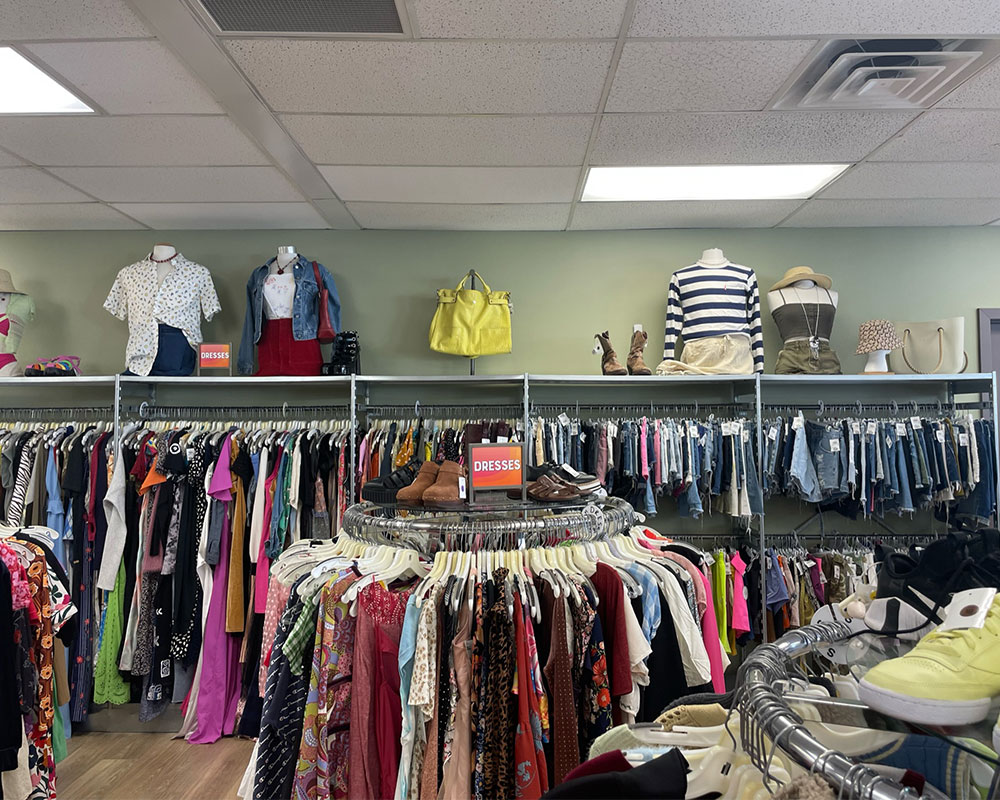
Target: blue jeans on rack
903	477
753	485
825	457
803	472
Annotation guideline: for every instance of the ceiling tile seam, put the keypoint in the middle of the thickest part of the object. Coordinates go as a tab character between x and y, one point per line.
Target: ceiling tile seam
431	115
792	213
242	88
979	69
30	164
90	40
796	73
412	22
422	41
825	36
576	165
59	78
602	103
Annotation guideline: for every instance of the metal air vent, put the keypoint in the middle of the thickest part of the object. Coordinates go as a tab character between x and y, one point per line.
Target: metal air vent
886	73
305	16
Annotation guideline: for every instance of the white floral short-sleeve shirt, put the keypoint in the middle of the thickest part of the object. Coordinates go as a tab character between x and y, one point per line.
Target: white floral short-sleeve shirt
186	292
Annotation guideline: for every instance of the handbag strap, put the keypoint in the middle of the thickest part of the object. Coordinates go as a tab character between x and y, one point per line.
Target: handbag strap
470	274
319	283
906	335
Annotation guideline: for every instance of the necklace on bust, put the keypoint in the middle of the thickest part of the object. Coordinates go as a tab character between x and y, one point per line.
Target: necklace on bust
162	260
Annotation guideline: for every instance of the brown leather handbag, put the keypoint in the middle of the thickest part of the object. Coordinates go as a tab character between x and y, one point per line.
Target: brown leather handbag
324	331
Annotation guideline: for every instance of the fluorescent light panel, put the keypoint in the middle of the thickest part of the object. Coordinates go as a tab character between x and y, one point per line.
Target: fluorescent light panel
723	182
25	89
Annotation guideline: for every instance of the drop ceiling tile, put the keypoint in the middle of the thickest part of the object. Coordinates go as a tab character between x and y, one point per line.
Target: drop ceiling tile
30	185
722	75
453	184
890	213
214	216
63	217
682	214
426	77
442	141
128	141
336	214
180	184
8	160
915	180
59	19
849	18
518	19
768	137
128	77
980	91
455	217
950	135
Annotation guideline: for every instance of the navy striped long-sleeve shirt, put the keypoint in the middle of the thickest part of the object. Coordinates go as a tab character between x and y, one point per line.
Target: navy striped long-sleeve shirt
713	301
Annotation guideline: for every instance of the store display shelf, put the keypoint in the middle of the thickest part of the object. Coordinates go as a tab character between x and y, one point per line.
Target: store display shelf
442	379
244	381
60	382
640	380
970	382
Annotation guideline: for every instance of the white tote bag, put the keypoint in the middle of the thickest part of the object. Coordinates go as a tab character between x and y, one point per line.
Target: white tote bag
931	348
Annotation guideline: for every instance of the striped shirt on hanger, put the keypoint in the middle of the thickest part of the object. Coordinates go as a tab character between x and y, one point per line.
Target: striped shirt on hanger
714	301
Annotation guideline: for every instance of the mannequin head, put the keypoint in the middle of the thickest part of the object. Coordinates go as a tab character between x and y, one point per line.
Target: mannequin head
712	257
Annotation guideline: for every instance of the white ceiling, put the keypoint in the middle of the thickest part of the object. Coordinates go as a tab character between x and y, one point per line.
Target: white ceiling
483	116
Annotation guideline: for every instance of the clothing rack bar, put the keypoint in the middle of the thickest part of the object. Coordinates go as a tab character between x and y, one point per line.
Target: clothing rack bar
149	411
897	408
643	408
28	413
417	409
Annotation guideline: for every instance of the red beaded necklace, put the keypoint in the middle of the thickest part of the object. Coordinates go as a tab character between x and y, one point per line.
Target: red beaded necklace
162	260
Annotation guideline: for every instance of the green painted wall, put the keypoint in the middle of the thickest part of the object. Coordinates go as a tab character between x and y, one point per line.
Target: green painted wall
565	286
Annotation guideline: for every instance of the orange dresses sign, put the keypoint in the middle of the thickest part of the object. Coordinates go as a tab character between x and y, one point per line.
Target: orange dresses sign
495	466
214	356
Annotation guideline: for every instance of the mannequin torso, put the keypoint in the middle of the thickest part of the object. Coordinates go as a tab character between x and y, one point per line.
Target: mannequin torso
713	257
279	285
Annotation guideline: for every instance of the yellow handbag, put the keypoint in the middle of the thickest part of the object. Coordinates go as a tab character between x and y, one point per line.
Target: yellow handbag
470	322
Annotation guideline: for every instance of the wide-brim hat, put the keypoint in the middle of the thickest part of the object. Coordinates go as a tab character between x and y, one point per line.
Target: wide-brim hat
803	274
7	283
877	334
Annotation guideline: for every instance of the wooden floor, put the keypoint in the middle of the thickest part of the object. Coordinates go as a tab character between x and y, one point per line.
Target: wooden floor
150	766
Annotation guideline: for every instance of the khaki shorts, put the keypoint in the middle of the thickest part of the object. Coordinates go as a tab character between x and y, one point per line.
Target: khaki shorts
713	355
795	358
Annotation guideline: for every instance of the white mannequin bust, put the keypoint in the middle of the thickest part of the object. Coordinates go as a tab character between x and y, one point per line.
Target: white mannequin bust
803	292
163	255
286	256
713	257
4	301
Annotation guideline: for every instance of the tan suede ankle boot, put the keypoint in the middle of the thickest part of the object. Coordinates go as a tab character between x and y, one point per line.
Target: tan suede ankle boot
444	493
413	494
610	365
636	366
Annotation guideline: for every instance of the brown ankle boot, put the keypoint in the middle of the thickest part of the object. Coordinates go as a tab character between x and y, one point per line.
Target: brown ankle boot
610	365
444	492
412	495
636	366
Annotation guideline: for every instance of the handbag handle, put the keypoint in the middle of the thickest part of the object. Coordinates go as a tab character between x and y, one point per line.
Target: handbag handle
470	274
906	335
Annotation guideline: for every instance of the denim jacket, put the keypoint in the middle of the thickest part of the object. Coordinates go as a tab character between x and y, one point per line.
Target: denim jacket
305	308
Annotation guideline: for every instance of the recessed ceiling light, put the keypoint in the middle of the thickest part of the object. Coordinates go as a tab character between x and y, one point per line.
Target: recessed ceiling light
25	89
724	182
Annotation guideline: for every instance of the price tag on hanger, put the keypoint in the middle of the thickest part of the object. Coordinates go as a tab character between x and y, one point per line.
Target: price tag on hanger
461	488
727	429
940	435
856	428
772	434
834	445
574	429
901	429
693	431
963	439
746	435
872	427
564	419
798	423
917	423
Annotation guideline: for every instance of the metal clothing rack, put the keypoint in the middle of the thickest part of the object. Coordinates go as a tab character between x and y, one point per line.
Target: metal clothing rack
61	413
516	526
146	410
766	718
417	409
638	409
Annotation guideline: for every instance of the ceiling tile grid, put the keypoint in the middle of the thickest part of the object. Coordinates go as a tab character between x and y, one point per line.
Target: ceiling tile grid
442	141
484	116
453	77
719	75
128	77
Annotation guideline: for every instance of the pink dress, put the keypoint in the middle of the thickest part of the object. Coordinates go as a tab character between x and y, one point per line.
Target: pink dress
710	635
741	613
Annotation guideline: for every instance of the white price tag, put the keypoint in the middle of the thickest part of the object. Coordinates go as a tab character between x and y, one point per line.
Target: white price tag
693	431
872	427
940	435
834	445
574	429
901	429
563	419
916	423
798	423
772	434
746	435
727	429
583	437
461	488
963	439
968	609
502	439
856	428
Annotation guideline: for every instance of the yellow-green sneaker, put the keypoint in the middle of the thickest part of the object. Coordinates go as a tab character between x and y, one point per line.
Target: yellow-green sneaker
948	678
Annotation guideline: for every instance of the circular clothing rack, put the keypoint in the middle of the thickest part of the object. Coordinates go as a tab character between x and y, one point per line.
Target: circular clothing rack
493	526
